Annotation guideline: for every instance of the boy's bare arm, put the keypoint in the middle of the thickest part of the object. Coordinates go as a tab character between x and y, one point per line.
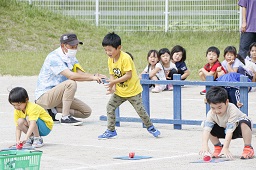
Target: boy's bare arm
124	78
18	134
114	81
205	148
225	149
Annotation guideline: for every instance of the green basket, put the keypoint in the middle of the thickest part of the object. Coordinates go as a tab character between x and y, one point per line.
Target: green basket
20	160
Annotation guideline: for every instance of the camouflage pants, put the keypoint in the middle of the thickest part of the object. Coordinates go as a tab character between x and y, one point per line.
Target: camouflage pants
136	101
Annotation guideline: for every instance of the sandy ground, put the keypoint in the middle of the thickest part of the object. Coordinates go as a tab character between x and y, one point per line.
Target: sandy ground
77	147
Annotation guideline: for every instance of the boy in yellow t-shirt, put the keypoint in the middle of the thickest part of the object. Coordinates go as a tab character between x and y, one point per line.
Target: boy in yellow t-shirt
125	85
29	118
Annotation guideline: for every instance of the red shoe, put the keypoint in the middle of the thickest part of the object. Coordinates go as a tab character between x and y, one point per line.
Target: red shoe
203	92
248	153
217	150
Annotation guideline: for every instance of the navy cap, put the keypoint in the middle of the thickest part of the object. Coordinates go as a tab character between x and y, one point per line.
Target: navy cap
70	39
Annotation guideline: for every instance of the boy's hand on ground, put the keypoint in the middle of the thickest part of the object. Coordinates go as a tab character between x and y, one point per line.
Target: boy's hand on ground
205	150
226	152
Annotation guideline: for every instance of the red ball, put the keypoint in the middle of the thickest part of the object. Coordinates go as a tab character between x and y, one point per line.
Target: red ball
19	146
131	155
207	158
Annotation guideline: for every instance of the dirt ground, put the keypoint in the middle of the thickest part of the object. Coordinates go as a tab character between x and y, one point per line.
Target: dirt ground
78	148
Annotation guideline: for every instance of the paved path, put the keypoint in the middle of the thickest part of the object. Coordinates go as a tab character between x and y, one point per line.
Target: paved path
77	148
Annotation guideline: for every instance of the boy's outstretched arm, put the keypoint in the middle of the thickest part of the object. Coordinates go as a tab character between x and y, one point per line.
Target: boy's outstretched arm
18	134
225	150
205	148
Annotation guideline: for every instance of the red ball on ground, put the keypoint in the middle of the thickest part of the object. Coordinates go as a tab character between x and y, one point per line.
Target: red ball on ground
131	155
207	158
19	146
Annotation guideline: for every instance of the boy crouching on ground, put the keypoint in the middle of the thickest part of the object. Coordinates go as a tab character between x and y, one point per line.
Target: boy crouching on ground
225	120
30	118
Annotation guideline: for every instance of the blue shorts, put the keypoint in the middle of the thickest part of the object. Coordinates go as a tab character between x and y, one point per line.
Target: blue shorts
42	128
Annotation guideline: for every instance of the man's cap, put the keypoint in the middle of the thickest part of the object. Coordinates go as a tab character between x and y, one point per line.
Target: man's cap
70	39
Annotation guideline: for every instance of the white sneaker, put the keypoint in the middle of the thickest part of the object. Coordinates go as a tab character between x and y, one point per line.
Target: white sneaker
169	87
157	89
29	142
38	142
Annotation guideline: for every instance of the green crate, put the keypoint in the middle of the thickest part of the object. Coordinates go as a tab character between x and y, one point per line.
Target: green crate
20	160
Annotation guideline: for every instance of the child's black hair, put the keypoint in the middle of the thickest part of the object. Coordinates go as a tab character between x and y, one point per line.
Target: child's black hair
111	39
250	48
18	95
230	49
213	49
130	55
216	95
178	48
155	52
163	51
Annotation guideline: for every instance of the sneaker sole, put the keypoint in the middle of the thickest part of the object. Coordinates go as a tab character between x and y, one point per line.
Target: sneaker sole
107	138
36	146
157	135
246	158
72	124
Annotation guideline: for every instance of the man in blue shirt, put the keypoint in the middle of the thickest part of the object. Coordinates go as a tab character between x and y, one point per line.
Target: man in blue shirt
56	84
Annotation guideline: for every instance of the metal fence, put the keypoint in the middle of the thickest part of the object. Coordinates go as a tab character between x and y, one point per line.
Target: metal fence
150	15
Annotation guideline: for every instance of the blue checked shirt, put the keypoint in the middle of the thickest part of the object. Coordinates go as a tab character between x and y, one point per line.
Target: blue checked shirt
49	75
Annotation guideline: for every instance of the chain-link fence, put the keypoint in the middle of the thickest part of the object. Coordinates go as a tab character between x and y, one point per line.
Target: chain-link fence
150	15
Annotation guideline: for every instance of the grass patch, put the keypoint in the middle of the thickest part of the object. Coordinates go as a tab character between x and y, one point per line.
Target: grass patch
28	34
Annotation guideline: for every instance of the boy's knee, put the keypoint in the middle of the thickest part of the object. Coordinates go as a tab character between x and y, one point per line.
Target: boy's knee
21	121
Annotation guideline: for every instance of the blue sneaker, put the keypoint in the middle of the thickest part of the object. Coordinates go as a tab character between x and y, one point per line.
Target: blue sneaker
153	131
108	134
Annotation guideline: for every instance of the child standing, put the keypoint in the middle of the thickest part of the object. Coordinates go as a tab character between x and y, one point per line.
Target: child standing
178	56
225	120
210	69
30	118
155	70
169	67
123	76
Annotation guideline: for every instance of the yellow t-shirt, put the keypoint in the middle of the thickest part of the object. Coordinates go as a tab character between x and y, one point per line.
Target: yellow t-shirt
34	111
124	64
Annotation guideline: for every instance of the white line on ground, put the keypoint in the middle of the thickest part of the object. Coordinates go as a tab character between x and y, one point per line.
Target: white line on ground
138	149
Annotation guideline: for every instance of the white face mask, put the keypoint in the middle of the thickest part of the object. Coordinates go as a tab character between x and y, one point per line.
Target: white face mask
71	52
